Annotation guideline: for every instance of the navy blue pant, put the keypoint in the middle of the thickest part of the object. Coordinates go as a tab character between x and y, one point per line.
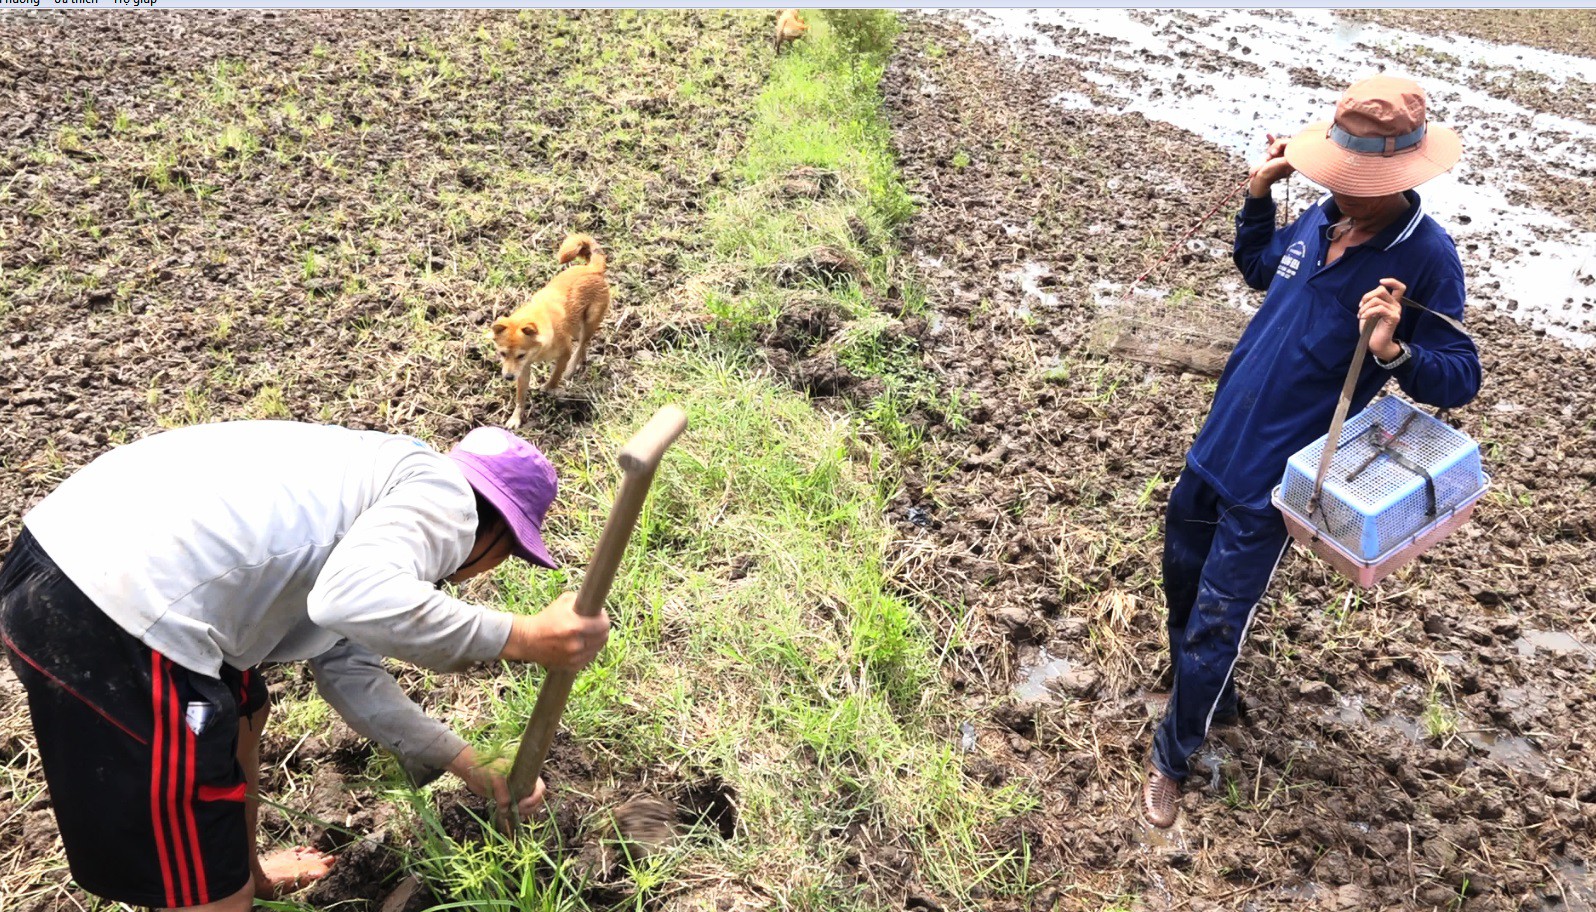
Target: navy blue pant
1218	560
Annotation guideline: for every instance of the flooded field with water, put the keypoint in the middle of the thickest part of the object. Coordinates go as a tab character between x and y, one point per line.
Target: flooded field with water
1420	745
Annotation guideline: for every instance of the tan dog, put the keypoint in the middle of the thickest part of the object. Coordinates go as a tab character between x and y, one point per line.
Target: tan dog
789	28
556	326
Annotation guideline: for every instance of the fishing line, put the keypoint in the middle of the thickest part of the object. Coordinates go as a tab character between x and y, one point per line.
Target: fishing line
1403	299
1187	236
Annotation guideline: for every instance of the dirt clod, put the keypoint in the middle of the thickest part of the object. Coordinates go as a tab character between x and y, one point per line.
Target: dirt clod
802	326
830	267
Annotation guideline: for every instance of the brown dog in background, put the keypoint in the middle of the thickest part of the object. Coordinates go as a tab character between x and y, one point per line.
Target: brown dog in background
789	27
556	326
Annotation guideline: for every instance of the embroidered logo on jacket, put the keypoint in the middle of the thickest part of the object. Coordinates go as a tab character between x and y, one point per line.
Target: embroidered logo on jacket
1292	261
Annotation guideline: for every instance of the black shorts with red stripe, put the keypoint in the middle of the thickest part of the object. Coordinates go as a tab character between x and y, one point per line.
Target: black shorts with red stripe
139	754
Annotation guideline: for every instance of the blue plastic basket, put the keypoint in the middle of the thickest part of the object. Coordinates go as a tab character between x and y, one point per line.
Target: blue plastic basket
1385	504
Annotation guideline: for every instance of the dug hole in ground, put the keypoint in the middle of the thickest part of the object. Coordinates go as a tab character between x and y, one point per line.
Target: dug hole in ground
891	633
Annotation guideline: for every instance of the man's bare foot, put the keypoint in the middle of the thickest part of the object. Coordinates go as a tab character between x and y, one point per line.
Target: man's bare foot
287	870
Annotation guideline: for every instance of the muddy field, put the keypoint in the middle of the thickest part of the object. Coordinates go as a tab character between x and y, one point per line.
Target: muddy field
1553	30
1422	746
239	205
245	257
215	215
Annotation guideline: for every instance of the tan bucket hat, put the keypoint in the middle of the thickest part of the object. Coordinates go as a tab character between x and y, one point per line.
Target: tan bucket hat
1379	143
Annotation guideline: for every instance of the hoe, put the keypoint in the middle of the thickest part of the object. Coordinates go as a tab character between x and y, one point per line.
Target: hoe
638	460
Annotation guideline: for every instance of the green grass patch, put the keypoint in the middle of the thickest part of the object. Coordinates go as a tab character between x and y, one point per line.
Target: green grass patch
808	685
819	121
821	109
761	637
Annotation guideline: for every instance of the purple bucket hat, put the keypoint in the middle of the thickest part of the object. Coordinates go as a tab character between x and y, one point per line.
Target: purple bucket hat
517	479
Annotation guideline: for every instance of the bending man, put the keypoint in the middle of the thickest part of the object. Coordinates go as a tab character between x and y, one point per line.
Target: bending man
142	594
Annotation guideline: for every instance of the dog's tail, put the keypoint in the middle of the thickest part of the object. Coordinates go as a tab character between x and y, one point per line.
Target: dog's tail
581	245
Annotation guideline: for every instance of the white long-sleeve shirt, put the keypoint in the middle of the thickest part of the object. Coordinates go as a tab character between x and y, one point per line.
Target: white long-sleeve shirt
253	541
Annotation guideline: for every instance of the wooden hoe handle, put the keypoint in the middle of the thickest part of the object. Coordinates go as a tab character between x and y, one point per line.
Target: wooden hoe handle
1333	439
638	460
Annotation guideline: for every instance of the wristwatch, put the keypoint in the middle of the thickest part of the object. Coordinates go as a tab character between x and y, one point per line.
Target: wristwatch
1396	362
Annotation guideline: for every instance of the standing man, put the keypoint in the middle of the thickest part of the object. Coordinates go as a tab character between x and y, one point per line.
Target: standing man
1348	259
143	593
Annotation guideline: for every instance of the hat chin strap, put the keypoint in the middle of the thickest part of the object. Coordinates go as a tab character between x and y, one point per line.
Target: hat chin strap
1376	145
478	552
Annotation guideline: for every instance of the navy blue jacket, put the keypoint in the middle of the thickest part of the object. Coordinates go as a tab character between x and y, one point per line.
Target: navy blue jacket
1281	384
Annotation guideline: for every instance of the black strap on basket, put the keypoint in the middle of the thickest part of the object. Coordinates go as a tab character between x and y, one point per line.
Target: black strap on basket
1333	441
1382	445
